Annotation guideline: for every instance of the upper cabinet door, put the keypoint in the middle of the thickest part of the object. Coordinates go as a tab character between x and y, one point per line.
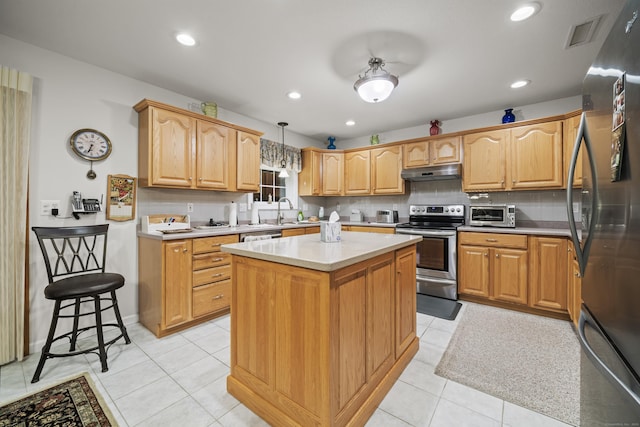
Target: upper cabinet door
216	156
332	173
536	156
357	172
415	154
173	145
386	166
445	150
484	160
248	170
310	177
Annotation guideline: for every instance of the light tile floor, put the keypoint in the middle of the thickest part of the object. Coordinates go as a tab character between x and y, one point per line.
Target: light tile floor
181	380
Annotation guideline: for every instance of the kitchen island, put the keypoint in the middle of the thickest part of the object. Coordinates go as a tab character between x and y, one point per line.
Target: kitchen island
321	331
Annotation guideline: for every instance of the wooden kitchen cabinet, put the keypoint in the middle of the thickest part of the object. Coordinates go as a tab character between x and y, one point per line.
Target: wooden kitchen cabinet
357	172
182	283
181	149
437	151
405	295
332	173
548	273
519	158
367	229
288	232
310	177
570	128
386	166
312	230
493	266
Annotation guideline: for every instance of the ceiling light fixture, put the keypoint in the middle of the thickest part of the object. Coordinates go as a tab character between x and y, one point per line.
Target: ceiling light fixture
185	39
519	84
525	12
294	95
350	123
377	83
283	172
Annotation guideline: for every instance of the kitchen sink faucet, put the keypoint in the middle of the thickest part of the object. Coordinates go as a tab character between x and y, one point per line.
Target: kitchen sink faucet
282	199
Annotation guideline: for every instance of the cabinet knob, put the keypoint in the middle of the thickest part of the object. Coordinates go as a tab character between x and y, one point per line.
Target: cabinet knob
486	254
513	181
216	259
219	296
190	178
200	179
215	245
576	274
497	256
185	250
492	240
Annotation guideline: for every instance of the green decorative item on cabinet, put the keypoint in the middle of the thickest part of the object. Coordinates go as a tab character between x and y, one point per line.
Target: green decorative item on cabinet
374	140
210	109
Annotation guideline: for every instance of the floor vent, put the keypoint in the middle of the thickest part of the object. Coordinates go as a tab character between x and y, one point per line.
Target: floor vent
583	33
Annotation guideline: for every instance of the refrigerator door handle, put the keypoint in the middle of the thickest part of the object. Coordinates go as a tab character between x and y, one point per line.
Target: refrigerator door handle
591	354
582	252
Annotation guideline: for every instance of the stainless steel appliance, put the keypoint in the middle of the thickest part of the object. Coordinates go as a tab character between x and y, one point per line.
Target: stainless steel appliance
433	173
437	252
387	216
609	251
492	215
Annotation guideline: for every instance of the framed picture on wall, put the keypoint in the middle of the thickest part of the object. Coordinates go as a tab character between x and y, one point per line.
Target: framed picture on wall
121	202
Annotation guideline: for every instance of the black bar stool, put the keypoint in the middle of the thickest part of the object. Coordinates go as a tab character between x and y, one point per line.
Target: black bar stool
75	260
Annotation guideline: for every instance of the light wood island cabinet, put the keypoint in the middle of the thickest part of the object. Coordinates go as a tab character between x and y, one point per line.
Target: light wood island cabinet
181	149
320	347
183	282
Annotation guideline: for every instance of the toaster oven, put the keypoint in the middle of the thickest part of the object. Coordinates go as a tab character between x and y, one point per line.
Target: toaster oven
492	215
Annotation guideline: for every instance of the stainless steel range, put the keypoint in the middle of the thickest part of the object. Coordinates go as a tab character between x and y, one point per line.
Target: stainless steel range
436	259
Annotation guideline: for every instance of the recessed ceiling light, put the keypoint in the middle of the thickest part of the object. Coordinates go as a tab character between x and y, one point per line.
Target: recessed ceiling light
294	95
525	12
185	39
350	123
519	84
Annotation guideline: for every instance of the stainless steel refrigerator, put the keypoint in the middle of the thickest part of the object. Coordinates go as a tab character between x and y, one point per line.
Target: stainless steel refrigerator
609	248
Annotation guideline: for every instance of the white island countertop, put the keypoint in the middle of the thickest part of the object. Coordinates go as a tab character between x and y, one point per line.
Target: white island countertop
308	251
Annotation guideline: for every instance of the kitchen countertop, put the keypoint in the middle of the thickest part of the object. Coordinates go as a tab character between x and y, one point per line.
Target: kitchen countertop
308	251
246	228
538	231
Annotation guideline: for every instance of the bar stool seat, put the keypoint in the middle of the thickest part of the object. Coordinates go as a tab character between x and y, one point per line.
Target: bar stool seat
75	261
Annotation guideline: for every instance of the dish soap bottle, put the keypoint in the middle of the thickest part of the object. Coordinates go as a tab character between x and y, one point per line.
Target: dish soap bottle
321	213
300	216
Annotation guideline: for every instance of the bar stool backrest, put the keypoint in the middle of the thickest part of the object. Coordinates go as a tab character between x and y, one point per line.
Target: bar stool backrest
69	251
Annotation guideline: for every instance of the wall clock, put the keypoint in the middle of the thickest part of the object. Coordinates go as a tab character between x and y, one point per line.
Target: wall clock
92	145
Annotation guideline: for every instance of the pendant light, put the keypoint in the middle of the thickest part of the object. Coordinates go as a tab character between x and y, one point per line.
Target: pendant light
283	172
377	83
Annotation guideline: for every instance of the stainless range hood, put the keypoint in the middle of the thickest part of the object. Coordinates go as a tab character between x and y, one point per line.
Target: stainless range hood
432	173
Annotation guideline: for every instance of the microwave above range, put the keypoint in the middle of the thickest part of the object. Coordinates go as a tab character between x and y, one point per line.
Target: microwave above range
492	215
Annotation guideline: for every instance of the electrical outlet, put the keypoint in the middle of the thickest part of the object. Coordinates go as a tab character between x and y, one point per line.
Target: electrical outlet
189	207
47	205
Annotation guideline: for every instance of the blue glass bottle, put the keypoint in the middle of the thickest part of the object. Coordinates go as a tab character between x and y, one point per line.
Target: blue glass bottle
508	117
331	145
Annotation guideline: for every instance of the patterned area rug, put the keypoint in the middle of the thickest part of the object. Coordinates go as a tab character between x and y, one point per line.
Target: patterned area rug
72	402
529	360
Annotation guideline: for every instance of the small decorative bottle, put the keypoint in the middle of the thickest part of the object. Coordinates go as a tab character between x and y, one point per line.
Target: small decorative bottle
331	145
374	140
434	130
508	117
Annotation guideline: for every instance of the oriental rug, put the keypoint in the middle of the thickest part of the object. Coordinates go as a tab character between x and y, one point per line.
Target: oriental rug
529	360
72	402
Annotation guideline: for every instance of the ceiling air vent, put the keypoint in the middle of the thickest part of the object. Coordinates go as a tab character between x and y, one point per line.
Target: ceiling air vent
582	33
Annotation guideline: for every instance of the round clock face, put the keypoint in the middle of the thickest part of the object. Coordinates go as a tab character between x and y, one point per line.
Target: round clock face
90	144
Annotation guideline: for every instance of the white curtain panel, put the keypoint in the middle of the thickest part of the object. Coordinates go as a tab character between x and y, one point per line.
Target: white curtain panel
15	122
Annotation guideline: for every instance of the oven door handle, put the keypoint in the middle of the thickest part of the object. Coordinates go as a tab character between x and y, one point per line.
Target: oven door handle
426	233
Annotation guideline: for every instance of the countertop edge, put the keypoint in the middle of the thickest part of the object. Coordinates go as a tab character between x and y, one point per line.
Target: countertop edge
330	266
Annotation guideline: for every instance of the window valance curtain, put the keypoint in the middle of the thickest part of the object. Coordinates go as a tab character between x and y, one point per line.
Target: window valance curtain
271	155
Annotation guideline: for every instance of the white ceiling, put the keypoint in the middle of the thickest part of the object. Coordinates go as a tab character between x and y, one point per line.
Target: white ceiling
454	58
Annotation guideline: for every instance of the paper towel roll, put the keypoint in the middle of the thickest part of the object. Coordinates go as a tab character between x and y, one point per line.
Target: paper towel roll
255	216
233	215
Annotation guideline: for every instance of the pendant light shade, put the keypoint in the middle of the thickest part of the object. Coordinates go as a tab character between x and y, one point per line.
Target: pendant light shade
377	83
283	172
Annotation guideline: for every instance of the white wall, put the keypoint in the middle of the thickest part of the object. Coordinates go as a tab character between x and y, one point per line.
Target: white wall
526	112
69	95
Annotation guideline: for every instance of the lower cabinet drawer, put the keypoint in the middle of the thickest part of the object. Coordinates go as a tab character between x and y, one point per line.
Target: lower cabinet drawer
211	259
210	298
209	275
